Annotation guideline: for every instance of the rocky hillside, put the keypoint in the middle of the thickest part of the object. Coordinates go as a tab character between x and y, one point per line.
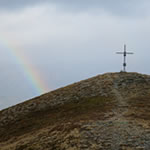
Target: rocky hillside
106	112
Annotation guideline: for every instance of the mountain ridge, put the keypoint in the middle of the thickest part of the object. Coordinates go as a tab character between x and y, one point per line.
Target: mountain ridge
108	99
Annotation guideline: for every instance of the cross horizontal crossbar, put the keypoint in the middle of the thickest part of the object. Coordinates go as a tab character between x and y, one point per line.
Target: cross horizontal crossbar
129	53
119	53
124	52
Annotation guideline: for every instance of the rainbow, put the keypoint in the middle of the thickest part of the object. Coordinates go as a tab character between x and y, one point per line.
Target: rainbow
31	73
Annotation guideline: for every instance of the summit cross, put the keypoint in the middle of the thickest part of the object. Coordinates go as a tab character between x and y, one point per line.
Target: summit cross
124	57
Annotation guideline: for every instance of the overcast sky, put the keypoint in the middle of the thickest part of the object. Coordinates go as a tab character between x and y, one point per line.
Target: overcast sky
69	40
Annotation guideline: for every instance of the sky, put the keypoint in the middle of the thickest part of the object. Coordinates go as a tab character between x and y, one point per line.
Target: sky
48	44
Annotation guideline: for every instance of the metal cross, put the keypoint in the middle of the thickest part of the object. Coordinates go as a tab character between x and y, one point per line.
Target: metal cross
124	60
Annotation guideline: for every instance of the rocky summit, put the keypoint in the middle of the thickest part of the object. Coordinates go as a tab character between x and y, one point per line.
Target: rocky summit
106	112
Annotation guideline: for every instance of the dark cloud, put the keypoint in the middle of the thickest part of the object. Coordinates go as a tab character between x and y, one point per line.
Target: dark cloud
6	5
118	7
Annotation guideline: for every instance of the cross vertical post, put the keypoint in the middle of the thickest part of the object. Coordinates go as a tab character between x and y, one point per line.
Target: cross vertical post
124	58
124	63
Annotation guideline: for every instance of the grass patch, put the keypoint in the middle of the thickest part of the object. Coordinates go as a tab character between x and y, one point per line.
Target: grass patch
87	104
83	109
139	107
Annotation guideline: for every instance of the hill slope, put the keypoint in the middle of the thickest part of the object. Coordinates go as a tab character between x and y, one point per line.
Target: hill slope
110	111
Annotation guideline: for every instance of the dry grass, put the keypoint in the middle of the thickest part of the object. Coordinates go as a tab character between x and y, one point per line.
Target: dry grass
83	109
139	108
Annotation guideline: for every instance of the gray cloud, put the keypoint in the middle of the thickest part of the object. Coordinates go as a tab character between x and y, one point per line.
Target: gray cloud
117	7
16	4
